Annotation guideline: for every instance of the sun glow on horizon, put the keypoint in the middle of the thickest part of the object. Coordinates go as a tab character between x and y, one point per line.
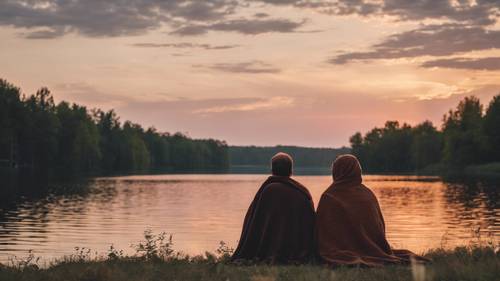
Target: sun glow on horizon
317	71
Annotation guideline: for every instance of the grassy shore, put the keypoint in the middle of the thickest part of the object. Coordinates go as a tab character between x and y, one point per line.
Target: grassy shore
464	263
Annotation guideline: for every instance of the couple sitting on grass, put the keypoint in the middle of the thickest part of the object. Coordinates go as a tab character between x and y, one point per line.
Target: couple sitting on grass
281	226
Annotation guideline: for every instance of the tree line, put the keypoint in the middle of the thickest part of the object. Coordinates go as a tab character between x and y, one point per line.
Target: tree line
302	156
469	135
66	139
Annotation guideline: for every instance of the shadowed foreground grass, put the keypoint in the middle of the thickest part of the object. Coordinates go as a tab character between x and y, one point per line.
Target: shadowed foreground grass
156	261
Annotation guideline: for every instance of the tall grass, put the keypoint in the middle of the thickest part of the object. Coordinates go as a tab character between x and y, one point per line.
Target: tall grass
155	259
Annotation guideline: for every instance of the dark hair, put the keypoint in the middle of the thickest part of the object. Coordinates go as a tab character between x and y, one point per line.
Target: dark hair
282	164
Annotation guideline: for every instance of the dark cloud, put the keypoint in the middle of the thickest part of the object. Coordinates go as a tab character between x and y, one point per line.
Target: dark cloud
433	40
92	18
185	45
490	63
244	26
97	18
252	67
482	12
46	19
202	10
465	28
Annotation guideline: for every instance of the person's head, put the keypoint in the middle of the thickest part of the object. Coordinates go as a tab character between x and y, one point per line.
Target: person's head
346	168
282	165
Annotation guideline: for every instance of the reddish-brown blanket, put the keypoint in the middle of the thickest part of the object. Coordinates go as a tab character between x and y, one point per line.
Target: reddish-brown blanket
279	224
350	228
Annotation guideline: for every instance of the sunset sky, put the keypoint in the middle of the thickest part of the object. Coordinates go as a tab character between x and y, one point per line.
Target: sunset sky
264	72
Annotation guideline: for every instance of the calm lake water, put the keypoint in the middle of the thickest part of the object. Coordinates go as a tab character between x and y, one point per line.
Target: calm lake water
201	210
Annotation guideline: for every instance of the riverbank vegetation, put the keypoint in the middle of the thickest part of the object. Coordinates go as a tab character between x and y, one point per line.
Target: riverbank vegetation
156	260
69	140
303	157
467	143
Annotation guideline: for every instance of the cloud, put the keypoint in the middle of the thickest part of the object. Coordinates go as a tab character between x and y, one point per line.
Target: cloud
256	104
185	45
490	63
92	18
431	40
44	33
252	67
87	94
202	10
479	12
47	19
243	26
261	15
314	120
97	18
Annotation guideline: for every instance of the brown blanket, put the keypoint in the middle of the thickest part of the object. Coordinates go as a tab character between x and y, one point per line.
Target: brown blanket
279	224
350	228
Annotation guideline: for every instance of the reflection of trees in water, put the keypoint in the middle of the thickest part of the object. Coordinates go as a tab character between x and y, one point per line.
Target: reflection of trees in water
435	209
102	191
475	204
29	217
473	194
18	186
139	193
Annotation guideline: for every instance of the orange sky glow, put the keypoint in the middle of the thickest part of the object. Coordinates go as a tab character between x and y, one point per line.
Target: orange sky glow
263	72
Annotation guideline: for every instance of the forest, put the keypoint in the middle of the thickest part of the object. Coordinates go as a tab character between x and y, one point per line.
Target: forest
469	137
302	156
68	140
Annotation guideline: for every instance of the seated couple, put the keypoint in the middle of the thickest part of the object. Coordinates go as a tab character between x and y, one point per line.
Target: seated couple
348	228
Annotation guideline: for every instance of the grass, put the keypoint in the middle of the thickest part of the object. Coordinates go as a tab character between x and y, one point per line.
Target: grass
155	260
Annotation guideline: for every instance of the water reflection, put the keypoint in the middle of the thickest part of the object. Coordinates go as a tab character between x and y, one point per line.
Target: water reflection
201	210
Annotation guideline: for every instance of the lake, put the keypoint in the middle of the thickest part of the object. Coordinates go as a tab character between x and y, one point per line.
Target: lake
202	210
